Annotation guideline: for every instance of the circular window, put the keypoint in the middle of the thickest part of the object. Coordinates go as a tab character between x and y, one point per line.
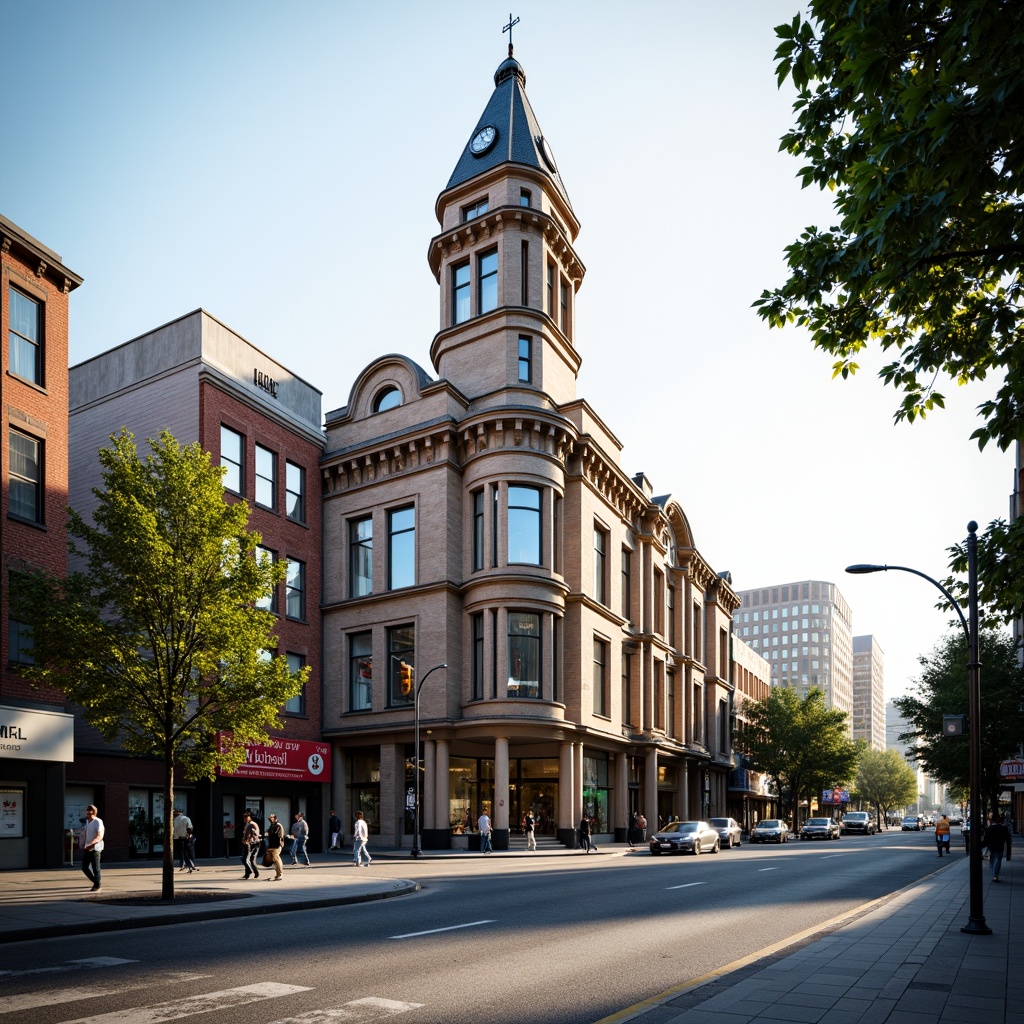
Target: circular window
389	398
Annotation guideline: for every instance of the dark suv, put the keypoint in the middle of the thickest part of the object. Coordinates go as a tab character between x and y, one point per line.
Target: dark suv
859	822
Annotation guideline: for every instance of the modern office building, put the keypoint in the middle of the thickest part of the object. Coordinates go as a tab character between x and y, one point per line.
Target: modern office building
869	722
569	645
804	632
203	382
36	737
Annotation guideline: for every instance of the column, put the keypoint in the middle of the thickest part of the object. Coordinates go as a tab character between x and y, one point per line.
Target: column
577	782
499	812
501	643
428	779
442	789
339	796
684	791
547	646
651	791
620	812
566	794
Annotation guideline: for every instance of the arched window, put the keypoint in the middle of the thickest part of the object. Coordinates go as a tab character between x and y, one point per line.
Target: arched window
387	398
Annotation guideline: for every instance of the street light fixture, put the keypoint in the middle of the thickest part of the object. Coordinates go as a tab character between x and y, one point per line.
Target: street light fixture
416	760
976	920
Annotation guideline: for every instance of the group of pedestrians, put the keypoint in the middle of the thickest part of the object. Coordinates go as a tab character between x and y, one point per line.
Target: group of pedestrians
267	849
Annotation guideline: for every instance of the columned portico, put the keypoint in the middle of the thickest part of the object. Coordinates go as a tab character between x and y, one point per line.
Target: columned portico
499	814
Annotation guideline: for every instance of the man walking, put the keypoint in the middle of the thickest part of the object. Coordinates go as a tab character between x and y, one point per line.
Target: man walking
942	835
997	841
529	826
334	827
91	841
275	841
182	826
300	833
483	825
360	837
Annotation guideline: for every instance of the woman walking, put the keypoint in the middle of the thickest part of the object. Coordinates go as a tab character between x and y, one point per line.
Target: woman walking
250	847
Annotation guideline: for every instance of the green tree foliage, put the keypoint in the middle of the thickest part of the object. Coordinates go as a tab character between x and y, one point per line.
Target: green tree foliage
800	744
913	114
942	690
886	781
159	641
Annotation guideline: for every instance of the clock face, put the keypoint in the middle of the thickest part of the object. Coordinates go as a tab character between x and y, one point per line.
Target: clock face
483	140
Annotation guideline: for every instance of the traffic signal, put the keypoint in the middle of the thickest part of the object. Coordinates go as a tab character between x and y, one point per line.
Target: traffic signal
405	678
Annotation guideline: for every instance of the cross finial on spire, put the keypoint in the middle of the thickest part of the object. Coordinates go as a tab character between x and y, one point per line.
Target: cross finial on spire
508	29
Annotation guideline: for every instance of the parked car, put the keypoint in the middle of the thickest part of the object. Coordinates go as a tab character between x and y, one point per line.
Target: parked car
728	829
859	822
771	830
911	824
819	828
694	837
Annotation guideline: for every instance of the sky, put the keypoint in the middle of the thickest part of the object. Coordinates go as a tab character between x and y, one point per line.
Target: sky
277	164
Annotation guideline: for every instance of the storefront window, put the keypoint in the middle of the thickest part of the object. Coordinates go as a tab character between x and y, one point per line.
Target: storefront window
364	788
596	791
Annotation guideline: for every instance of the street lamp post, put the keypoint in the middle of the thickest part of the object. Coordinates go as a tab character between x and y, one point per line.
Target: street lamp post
416	759
976	920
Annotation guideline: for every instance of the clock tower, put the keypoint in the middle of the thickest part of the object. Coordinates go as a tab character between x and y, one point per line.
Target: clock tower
504	259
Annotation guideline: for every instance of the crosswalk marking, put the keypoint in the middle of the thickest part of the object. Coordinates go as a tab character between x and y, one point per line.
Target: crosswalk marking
208	1002
33	1000
434	931
354	1010
70	965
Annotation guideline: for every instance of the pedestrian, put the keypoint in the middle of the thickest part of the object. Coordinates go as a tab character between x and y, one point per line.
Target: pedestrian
275	842
182	823
188	851
334	827
360	837
90	839
483	825
585	834
942	835
641	825
997	841
250	846
300	833
529	825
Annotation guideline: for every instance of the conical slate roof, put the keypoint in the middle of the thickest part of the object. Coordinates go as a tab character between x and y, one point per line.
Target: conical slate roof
519	138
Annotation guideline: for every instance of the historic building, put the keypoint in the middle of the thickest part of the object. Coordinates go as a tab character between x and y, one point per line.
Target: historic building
36	738
203	382
751	793
483	541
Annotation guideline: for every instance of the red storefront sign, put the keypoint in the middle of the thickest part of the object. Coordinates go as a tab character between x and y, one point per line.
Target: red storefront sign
292	760
1013	769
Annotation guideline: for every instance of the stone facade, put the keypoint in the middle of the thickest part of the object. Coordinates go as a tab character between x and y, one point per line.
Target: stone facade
571	642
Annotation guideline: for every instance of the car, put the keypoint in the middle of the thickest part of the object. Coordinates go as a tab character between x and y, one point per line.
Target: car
694	837
956	819
910	824
860	822
728	829
819	828
771	830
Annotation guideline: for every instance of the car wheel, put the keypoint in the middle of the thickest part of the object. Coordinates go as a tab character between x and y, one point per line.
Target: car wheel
696	847
716	847
655	852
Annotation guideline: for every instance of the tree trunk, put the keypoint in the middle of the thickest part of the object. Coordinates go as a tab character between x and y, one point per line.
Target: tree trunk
167	880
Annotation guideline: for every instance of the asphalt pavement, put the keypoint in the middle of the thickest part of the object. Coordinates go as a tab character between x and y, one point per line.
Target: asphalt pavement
901	959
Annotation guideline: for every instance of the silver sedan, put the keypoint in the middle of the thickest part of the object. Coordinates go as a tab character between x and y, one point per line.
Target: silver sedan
685	837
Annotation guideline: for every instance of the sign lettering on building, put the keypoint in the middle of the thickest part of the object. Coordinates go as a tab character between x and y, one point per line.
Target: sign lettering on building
265	383
36	735
295	760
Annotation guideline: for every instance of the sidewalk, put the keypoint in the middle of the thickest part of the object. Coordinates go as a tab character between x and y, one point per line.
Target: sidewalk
899	960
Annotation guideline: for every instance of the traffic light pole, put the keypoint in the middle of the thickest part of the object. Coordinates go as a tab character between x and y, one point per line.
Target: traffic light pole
416	759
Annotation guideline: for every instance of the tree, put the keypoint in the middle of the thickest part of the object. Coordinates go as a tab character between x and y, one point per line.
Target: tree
942	690
160	641
913	114
886	781
801	744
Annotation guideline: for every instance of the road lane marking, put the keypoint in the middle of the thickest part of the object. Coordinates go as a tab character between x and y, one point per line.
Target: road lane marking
34	1000
434	931
845	853
687	886
768	869
175	1009
368	1009
71	965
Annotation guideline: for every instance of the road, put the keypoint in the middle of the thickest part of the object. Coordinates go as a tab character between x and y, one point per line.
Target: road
510	940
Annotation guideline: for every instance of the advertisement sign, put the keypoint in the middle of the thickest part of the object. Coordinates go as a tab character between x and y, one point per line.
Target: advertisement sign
835	796
291	760
1012	770
12	813
36	735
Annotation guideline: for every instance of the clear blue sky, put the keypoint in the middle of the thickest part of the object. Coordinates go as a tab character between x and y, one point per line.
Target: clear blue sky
277	164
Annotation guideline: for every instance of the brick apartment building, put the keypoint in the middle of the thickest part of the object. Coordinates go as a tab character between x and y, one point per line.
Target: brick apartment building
35	734
204	382
480	519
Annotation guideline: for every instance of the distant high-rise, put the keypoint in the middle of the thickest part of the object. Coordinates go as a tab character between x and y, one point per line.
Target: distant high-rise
869	720
803	631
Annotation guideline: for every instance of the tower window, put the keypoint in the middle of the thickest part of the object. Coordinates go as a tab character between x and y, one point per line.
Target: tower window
525	359
474	209
460	293
565	308
524	197
388	398
524	525
488	274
